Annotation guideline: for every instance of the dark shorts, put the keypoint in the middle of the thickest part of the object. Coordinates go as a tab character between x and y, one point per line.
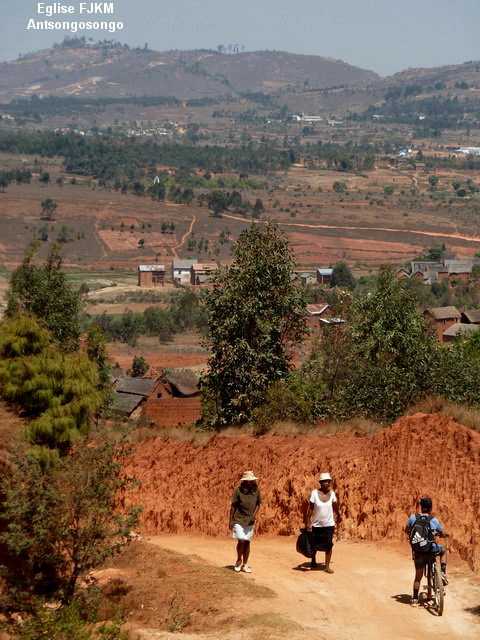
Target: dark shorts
421	559
322	538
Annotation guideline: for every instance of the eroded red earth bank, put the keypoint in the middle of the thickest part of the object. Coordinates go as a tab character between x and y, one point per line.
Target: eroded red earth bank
186	486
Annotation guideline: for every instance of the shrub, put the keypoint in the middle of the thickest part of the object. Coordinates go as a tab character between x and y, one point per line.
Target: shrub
139	367
60	522
60	391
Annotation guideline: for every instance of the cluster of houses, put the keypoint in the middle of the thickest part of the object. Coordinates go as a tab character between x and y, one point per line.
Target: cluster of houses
195	273
445	270
449	323
184	272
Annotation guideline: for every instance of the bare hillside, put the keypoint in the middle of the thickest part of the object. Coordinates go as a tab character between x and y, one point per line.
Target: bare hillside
120	71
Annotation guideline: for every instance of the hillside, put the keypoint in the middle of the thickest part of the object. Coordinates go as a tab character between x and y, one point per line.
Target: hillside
120	71
378	479
450	75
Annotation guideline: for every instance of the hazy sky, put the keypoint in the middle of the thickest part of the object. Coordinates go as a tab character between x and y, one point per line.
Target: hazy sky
383	35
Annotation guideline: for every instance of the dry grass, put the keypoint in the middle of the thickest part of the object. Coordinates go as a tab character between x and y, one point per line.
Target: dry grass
199	438
468	416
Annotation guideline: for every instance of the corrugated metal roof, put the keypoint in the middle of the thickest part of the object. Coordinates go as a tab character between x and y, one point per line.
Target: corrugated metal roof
317	309
184	264
325	272
136	386
185	381
472	315
444	313
459	266
461	328
204	266
151	267
126	403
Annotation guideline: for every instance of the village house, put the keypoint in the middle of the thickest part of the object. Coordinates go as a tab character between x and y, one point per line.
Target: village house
151	275
324	275
130	394
175	400
201	272
447	270
182	271
442	318
305	277
456	270
459	329
471	316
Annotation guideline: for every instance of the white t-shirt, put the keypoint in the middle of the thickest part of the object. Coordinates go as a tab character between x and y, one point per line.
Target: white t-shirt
322	515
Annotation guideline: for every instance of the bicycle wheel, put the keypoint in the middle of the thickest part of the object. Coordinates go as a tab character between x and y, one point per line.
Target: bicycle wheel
438	588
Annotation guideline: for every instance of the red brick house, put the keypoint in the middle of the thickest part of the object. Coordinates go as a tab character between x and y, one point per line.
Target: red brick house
441	318
201	272
151	275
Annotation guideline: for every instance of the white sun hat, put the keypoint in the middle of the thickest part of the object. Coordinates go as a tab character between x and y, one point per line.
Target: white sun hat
325	476
248	476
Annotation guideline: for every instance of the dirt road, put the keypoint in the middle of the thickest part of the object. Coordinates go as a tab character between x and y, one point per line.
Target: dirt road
367	598
431	234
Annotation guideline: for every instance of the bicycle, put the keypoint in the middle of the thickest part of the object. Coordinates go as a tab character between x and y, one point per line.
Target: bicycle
435	586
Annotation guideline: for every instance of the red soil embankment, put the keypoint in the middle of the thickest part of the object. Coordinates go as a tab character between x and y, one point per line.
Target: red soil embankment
186	486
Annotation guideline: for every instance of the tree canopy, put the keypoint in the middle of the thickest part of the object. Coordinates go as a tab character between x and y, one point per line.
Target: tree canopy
256	314
42	290
59	391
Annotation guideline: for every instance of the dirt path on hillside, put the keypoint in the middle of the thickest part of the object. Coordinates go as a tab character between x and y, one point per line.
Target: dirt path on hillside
184	237
366	599
431	234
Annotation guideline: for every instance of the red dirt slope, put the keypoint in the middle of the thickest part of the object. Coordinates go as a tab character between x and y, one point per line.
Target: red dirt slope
187	486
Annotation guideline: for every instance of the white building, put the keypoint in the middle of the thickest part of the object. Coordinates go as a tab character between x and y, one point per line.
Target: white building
181	270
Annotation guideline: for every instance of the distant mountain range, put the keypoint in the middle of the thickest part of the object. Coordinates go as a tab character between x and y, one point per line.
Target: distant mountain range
110	69
119	71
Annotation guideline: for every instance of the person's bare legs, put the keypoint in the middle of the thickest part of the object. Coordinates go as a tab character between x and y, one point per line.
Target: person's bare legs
328	557
239	553
246	551
416	583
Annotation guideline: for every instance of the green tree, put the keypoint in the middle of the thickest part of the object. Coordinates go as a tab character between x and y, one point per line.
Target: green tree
59	392
64	235
391	354
256	314
60	522
42	290
342	276
49	207
44	177
258	208
389	189
97	353
433	182
139	367
340	187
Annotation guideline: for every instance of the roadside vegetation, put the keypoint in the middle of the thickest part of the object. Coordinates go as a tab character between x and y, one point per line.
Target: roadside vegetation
376	365
60	516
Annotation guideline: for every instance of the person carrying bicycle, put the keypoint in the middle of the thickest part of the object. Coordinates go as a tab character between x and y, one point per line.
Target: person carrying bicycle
422	529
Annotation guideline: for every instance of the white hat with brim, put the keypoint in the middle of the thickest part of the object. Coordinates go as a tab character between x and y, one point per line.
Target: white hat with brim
325	476
248	476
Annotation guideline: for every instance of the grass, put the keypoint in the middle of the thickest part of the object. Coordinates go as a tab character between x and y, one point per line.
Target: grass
463	414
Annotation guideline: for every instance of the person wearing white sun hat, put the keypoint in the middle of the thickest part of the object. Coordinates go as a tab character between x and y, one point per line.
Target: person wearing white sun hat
245	504
320	519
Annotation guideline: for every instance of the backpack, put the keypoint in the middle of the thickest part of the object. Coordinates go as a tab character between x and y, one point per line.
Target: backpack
421	534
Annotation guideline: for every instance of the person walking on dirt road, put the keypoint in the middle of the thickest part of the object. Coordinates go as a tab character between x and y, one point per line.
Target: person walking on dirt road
246	502
422	528
320	520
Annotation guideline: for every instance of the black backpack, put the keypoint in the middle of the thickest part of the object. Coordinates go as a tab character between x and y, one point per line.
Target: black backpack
421	534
